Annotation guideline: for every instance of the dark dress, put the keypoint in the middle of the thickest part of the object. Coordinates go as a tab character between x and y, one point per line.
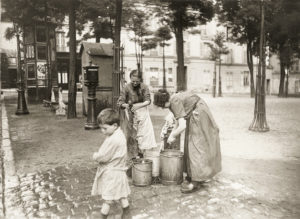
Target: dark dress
202	155
137	126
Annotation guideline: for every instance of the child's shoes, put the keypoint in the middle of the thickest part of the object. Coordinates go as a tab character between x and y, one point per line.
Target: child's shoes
126	213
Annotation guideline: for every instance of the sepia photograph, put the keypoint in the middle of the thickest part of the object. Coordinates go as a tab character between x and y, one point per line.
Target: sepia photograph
150	109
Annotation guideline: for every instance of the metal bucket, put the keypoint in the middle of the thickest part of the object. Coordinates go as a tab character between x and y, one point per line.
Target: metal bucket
154	156
142	172
171	167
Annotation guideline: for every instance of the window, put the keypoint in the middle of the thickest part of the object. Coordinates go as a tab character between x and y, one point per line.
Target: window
295	66
153	69
153	52
63	75
204	50
41	52
206	77
229	79
4	16
41	34
170	75
12	60
153	81
229	57
187	49
29	34
297	86
245	57
61	41
30	71
245	77
30	52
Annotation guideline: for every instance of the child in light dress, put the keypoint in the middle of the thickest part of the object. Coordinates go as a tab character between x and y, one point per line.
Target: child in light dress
111	180
170	123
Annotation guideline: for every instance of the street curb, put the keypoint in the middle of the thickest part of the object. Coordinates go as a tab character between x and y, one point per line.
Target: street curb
11	180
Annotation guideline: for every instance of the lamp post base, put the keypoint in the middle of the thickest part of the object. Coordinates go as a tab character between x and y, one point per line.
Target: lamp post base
22	106
91	126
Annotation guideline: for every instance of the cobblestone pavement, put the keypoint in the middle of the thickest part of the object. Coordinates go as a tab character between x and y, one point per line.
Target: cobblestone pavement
1	176
63	192
53	162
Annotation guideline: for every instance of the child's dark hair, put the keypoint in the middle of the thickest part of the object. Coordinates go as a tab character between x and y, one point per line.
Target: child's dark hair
134	73
108	116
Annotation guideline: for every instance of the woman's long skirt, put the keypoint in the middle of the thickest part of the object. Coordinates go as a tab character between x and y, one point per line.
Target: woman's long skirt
202	145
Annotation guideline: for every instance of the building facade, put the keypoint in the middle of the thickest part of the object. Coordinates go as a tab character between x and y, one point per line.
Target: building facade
8	51
235	75
199	68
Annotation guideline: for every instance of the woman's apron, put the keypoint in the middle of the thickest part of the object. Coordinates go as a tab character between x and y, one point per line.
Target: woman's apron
144	129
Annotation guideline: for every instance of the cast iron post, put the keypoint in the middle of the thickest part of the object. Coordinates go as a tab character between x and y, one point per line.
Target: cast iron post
91	81
22	106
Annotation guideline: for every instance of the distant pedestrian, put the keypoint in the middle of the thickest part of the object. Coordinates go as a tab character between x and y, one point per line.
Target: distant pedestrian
135	99
202	156
111	180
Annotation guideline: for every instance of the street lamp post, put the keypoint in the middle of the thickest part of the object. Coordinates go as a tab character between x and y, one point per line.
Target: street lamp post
21	105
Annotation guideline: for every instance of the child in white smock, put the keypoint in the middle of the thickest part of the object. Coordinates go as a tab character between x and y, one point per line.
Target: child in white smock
111	180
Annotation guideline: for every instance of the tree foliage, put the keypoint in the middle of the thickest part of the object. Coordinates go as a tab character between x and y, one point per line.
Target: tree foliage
138	23
218	46
162	35
101	15
217	49
241	18
284	34
181	15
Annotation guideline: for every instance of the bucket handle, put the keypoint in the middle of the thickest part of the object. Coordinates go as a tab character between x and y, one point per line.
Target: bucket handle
141	170
169	156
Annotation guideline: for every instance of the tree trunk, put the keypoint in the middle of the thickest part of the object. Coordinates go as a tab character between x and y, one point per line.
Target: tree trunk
250	66
164	70
287	84
259	122
220	78
215	79
181	81
116	75
48	56
282	73
141	59
97	38
72	65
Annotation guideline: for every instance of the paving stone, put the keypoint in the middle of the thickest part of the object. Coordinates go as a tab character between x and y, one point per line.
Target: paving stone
162	190
153	200
82	208
140	203
213	209
136	196
277	213
148	193
213	201
211	216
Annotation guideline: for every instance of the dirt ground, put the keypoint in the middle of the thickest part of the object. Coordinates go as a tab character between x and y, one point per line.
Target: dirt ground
266	162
